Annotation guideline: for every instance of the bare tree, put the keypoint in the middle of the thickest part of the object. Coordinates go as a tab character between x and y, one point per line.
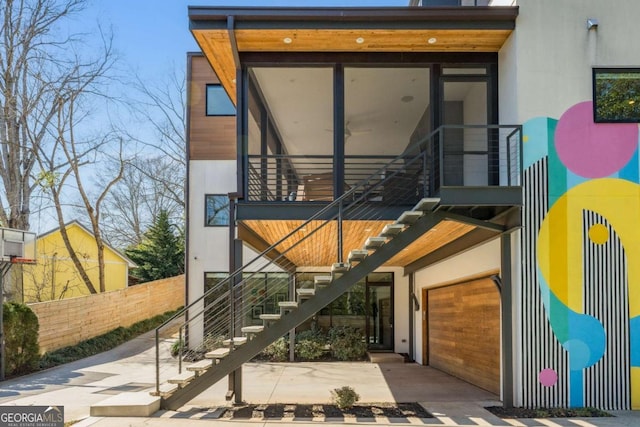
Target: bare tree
134	202
62	162
156	180
163	107
35	72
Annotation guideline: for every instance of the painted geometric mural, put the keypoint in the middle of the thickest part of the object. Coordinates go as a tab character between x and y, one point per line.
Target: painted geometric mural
581	245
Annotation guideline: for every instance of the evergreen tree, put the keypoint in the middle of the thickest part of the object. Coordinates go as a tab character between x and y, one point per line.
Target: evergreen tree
161	253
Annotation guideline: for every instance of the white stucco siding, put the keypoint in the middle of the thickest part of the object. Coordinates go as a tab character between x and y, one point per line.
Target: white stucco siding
208	246
478	260
401	314
554	53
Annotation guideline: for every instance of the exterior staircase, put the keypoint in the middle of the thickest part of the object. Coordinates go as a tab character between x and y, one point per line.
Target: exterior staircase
220	362
210	335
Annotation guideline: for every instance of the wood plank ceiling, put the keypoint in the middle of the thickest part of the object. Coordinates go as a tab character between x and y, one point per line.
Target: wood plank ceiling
216	43
224	33
320	249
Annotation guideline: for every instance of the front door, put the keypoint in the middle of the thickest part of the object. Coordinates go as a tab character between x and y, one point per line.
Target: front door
379	320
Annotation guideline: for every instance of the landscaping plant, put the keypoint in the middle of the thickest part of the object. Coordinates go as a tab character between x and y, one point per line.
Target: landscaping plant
344	397
347	343
21	339
310	345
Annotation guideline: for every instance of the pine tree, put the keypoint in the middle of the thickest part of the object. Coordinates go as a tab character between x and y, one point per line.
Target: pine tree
161	253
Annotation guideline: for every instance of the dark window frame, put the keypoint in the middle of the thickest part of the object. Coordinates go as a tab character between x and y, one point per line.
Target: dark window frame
206	210
618	70
206	104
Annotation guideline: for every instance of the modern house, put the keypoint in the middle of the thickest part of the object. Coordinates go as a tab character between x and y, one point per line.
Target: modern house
54	275
468	173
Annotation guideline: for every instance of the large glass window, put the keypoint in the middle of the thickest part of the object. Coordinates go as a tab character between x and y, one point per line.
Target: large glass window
616	95
216	210
218	102
367	306
386	113
261	293
290	127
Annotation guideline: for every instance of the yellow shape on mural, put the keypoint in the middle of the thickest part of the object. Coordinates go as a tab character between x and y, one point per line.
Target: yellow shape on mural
599	234
560	239
560	244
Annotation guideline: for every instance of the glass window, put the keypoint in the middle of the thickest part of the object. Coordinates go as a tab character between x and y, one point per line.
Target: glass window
616	95
216	210
216	303
218	102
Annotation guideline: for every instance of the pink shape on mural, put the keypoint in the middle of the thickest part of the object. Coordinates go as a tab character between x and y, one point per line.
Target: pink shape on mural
593	150
548	377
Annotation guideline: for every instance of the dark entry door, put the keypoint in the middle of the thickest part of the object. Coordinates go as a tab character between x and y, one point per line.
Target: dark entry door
380	316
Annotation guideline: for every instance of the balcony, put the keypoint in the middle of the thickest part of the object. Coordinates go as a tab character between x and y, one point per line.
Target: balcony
465	166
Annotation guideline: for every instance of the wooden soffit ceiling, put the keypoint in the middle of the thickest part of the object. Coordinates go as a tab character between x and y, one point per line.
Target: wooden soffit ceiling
319	247
223	34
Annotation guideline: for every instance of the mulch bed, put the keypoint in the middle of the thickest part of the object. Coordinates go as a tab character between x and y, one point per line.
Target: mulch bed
501	412
359	410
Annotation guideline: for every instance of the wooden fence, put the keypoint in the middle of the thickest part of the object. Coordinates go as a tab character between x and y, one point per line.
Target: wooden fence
69	321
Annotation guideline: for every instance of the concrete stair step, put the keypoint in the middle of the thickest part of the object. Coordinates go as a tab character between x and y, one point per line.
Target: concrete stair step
218	353
252	329
357	255
287	306
428	204
305	293
373	243
237	341
182	379
409	217
129	404
375	357
321	280
166	390
200	366
269	317
340	267
391	230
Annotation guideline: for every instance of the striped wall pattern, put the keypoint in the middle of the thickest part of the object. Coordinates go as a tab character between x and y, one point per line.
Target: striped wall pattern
540	349
605	288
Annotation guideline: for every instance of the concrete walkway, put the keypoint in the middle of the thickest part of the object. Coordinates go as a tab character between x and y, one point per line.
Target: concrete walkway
130	367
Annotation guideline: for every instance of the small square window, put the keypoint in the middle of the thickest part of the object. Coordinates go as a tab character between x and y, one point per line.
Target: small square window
218	102
616	95
216	210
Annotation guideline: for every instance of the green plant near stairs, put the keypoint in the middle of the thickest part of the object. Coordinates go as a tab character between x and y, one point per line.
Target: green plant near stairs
234	315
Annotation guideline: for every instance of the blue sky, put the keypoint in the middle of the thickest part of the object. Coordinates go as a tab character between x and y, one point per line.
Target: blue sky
153	36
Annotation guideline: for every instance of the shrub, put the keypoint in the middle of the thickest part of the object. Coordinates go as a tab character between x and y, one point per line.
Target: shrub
344	397
21	339
347	343
175	347
277	351
310	345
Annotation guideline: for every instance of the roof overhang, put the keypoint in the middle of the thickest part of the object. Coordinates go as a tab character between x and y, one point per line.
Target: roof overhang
224	34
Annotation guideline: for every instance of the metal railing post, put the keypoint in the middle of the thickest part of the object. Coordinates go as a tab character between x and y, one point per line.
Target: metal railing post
441	157
508	162
180	346
340	232
158	361
425	180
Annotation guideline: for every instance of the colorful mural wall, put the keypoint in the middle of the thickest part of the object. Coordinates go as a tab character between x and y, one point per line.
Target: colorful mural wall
581	250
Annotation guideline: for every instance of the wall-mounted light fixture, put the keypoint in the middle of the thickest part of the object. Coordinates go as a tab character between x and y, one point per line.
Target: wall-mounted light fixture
592	23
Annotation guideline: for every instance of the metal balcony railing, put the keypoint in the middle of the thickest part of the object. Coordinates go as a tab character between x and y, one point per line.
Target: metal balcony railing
465	155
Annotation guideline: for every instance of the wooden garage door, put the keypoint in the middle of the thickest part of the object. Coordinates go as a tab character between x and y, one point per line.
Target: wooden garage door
464	332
